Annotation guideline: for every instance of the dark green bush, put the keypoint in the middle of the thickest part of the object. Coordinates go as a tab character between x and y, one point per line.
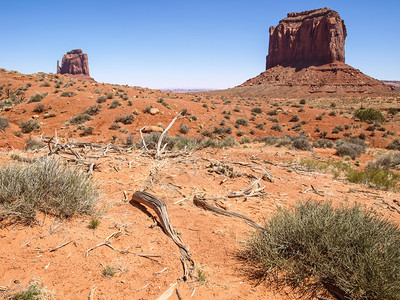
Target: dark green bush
352	253
47	186
369	114
80	118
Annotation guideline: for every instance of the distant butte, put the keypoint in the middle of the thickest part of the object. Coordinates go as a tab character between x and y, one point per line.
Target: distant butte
306	53
75	64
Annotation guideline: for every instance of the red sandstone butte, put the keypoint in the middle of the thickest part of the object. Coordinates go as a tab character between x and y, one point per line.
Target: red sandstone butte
313	37
75	63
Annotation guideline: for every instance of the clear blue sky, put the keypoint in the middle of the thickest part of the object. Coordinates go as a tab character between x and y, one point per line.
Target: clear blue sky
182	43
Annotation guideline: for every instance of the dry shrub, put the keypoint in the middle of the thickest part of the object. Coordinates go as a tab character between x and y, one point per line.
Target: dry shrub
350	252
47	186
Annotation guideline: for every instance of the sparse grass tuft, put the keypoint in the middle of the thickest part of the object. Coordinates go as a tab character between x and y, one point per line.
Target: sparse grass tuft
35	291
314	248
109	271
47	186
94	223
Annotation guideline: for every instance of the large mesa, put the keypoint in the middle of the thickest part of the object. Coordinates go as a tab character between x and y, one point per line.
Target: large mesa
75	63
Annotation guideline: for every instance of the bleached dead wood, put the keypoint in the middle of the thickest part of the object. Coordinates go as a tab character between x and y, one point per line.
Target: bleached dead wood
255	189
160	209
159	150
201	202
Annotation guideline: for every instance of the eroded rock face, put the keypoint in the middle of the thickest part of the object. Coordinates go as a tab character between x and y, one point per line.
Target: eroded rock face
75	62
313	37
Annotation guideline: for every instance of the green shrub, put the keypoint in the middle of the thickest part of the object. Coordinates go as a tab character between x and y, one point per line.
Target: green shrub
351	147
242	121
369	114
277	127
80	118
39	108
273	112
294	118
374	177
245	140
37	97
125	119
395	145
257	110
389	161
33	145
29	125
109	271
302	101
101	99
323	143
93	110
94	223
392	111
68	94
301	143
47	186
115	103
183	128
4	123
348	251
35	291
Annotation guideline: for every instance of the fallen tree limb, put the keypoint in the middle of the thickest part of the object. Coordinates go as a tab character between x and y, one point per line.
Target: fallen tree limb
201	202
161	210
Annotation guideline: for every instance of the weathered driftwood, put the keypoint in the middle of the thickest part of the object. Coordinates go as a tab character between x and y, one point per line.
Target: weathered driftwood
161	210
201	202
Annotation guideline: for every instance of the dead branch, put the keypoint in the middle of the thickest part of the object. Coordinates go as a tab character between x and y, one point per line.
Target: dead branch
161	210
250	191
201	202
60	246
159	152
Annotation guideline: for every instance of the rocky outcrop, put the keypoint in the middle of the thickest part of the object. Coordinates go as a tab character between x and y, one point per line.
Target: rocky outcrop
75	63
313	37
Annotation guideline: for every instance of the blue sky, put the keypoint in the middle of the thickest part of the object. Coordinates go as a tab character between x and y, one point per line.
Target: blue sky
182	43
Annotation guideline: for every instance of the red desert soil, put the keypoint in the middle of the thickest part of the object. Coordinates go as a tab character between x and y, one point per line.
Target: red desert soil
213	240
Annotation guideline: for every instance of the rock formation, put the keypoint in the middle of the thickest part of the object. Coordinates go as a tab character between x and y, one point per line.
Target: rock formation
313	37
306	56
75	63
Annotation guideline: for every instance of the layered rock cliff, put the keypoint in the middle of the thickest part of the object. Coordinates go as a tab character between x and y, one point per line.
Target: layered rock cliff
313	37
76	63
